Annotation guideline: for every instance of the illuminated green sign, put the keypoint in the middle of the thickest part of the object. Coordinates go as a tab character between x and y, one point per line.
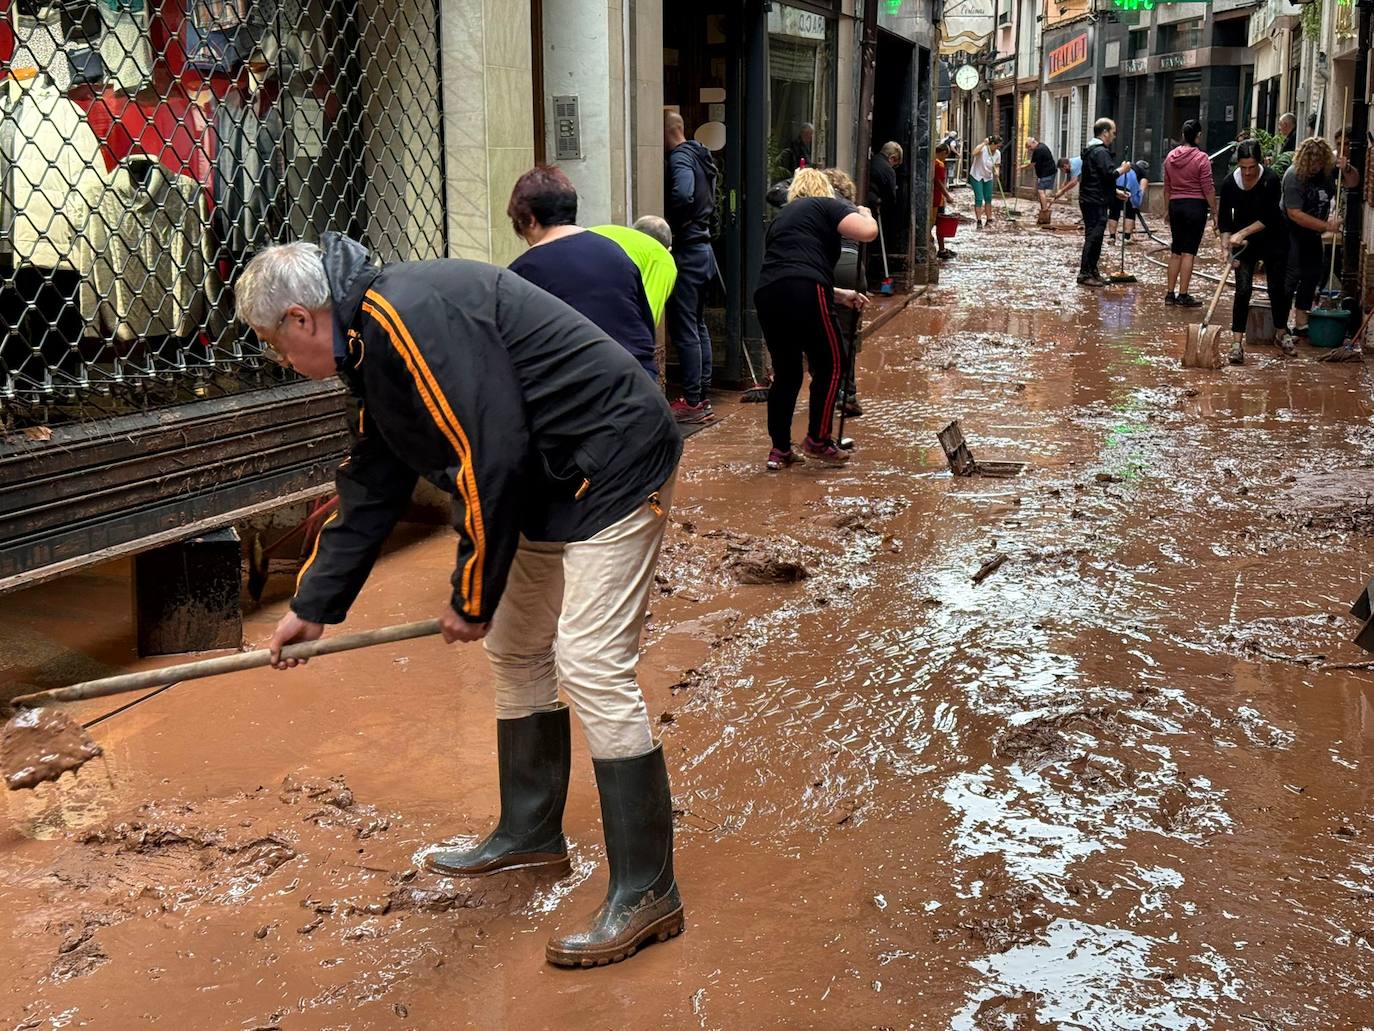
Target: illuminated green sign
1150	5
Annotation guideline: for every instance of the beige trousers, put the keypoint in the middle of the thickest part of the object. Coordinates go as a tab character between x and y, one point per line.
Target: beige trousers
571	617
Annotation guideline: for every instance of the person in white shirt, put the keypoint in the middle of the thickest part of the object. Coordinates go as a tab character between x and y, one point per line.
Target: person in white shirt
982	171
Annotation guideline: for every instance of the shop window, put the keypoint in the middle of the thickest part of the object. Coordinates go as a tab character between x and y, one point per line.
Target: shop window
149	150
221	35
1180	36
1233	32
801	86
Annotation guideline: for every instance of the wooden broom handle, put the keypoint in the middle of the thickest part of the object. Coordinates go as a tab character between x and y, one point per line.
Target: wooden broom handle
226	664
1340	181
1221	285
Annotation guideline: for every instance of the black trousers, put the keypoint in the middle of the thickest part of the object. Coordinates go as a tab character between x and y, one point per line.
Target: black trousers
798	318
1094	229
849	276
1305	266
1276	275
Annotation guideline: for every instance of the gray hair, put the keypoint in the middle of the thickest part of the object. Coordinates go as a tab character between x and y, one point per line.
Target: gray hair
892	150
652	225
280	276
1290	118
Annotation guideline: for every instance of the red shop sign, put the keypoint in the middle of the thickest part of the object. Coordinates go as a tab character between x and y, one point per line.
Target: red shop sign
1069	56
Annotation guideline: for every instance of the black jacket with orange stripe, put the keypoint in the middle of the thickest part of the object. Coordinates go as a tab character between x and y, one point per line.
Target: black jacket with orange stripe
532	418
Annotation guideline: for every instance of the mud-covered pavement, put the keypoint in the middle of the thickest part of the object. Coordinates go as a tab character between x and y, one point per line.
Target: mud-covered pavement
1110	786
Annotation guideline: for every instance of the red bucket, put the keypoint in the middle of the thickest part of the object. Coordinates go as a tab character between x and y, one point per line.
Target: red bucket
946	226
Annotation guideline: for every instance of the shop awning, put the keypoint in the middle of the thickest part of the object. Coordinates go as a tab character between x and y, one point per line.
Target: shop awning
967	26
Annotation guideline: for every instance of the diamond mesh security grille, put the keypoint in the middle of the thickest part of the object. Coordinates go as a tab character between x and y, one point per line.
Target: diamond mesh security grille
148	148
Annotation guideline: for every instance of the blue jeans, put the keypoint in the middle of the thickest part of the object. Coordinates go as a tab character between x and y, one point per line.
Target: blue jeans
696	265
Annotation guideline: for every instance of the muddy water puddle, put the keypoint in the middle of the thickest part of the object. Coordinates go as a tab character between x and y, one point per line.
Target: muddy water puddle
1109	784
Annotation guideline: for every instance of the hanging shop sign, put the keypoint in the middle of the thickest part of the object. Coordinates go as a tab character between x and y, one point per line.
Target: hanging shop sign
967	26
794	22
1066	57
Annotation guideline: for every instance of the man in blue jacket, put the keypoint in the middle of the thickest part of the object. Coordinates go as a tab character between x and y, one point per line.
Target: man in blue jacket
560	455
691	202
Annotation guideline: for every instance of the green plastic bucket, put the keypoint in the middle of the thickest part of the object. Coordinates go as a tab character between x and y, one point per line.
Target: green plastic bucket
1326	326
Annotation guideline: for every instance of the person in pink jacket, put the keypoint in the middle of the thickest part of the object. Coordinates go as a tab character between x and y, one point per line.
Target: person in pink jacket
1190	194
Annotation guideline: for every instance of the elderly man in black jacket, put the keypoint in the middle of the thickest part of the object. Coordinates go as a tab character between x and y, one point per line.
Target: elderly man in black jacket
1095	191
560	455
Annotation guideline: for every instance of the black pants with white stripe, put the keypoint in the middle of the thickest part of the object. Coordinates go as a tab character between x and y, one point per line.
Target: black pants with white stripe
798	318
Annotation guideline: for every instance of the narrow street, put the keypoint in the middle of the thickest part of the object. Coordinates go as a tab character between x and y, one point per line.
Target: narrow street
1108	787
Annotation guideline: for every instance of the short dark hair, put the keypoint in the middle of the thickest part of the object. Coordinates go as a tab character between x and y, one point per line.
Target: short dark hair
1065	164
1102	125
1142	169
544	195
1251	150
1192	129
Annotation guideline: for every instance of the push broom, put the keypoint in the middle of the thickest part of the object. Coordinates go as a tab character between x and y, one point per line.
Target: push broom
756	392
886	288
1332	294
1121	275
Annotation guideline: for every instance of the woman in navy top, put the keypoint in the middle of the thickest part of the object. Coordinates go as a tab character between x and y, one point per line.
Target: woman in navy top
590	273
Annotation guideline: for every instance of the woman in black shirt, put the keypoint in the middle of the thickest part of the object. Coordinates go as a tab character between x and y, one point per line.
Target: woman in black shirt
795	300
1309	187
1249	216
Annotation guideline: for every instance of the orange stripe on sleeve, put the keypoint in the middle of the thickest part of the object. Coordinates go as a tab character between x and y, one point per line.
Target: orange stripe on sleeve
442	415
315	550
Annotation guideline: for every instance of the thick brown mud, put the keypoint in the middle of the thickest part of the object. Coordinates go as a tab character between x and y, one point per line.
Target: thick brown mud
40	745
1115	783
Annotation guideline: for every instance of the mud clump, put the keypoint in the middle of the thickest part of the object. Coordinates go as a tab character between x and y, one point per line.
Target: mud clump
763	568
767	562
79	954
432	900
193	851
42	744
1040	742
333	805
864	516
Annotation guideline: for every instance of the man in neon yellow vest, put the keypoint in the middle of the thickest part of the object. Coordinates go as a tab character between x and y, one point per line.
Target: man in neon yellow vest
647	245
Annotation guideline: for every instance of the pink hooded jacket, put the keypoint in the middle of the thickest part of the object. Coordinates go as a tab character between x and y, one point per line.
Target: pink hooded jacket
1188	173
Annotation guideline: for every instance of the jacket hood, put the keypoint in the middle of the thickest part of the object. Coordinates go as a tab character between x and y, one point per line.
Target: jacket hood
699	154
1096	141
350	269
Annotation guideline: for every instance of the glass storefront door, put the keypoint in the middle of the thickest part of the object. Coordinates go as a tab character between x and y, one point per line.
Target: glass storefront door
801	89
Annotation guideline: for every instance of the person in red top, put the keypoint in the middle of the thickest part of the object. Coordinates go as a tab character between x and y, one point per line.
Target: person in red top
1189	195
940	195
